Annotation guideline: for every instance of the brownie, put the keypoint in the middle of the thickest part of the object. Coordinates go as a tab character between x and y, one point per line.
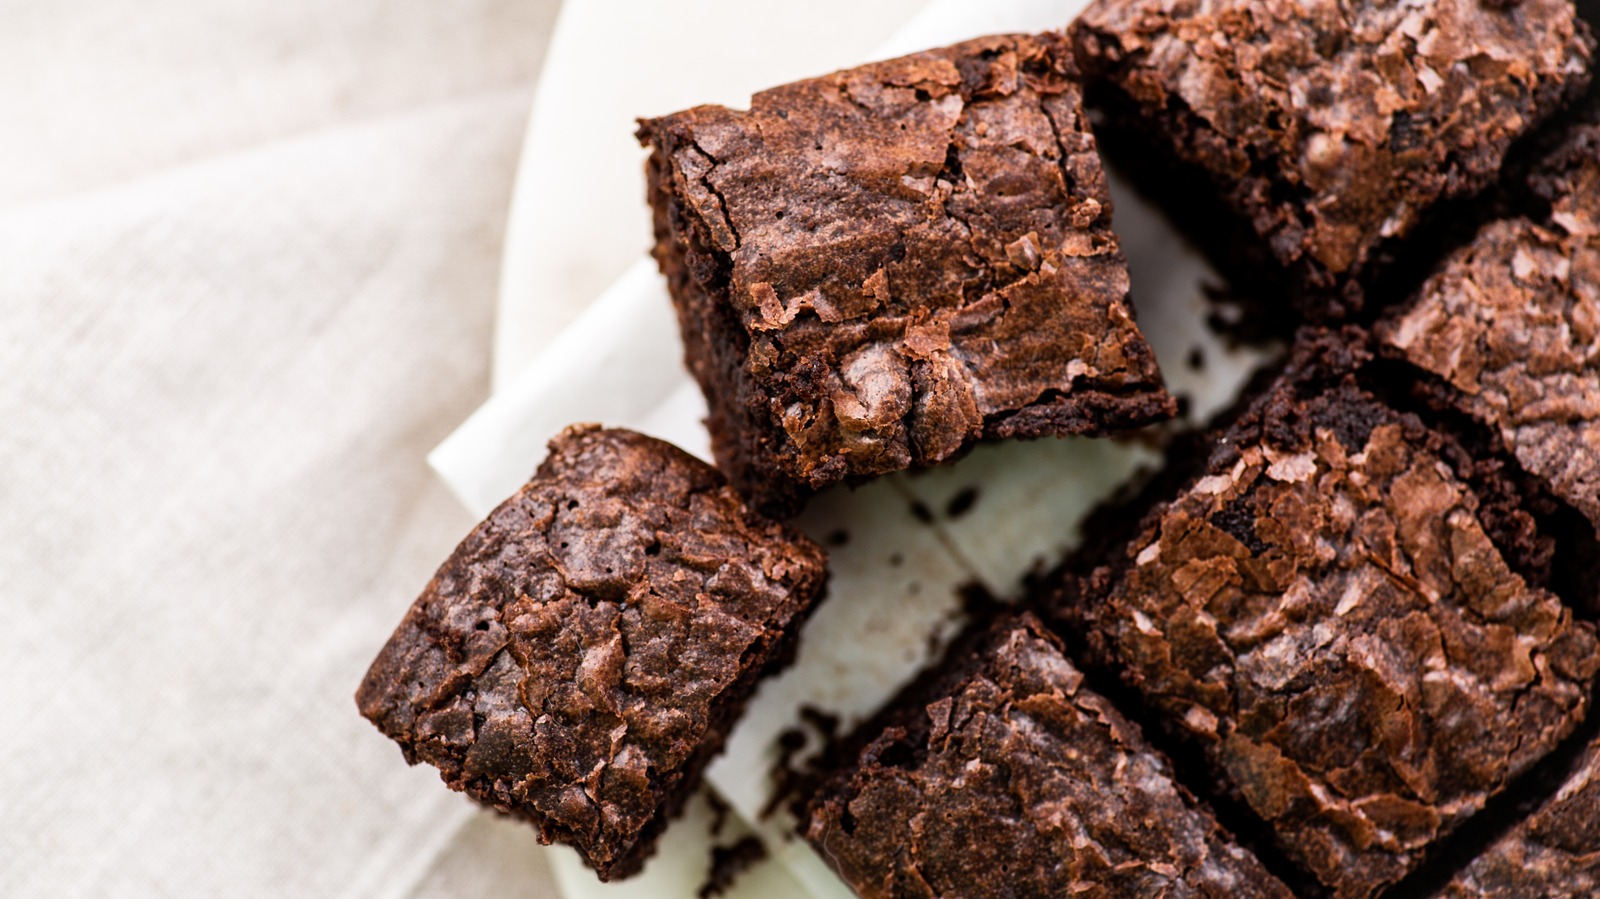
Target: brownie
875	269
1509	326
1327	132
1554	852
1008	777
582	654
1324	616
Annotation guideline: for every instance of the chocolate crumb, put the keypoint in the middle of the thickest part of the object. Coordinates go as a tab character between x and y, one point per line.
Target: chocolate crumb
961	503
838	538
977	602
1197	359
728	862
791	775
719	813
790	741
824	723
921	512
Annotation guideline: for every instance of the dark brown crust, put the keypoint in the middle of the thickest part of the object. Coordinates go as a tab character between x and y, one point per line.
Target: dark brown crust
1006	777
1510	324
582	654
1554	852
1329	130
877	268
1325	617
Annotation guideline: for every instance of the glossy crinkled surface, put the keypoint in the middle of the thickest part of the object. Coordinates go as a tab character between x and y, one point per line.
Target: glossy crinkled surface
1330	127
1325	617
1014	779
876	268
585	649
1511	322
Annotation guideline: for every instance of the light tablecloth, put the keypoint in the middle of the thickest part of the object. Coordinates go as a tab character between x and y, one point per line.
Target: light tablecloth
249	259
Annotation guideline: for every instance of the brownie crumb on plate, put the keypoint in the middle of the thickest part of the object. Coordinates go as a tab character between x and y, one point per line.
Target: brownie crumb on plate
728	862
582	654
1327	132
1005	776
875	269
1322	614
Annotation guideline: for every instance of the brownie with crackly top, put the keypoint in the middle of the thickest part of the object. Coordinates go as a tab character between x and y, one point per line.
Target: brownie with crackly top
1554	852
1326	132
1004	775
1507	329
580	657
1328	617
875	269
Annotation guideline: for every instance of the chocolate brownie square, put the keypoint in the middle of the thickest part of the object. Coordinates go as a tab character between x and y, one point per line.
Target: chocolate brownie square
1326	130
1005	776
874	269
1325	615
1509	328
1554	852
583	653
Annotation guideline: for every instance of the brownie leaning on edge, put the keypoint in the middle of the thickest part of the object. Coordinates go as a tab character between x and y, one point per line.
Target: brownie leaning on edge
1510	324
1005	776
1329	130
1325	615
582	654
874	269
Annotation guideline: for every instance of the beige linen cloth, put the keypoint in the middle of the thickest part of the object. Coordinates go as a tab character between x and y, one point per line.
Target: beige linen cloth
249	258
248	262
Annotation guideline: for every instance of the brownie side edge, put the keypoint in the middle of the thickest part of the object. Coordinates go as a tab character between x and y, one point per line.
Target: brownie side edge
716	345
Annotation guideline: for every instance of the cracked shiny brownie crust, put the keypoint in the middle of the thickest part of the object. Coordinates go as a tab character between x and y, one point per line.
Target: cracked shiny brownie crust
1006	776
582	654
1330	129
874	269
1510	324
1326	618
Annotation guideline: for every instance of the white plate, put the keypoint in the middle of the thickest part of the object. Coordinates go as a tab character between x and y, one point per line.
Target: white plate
617	361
